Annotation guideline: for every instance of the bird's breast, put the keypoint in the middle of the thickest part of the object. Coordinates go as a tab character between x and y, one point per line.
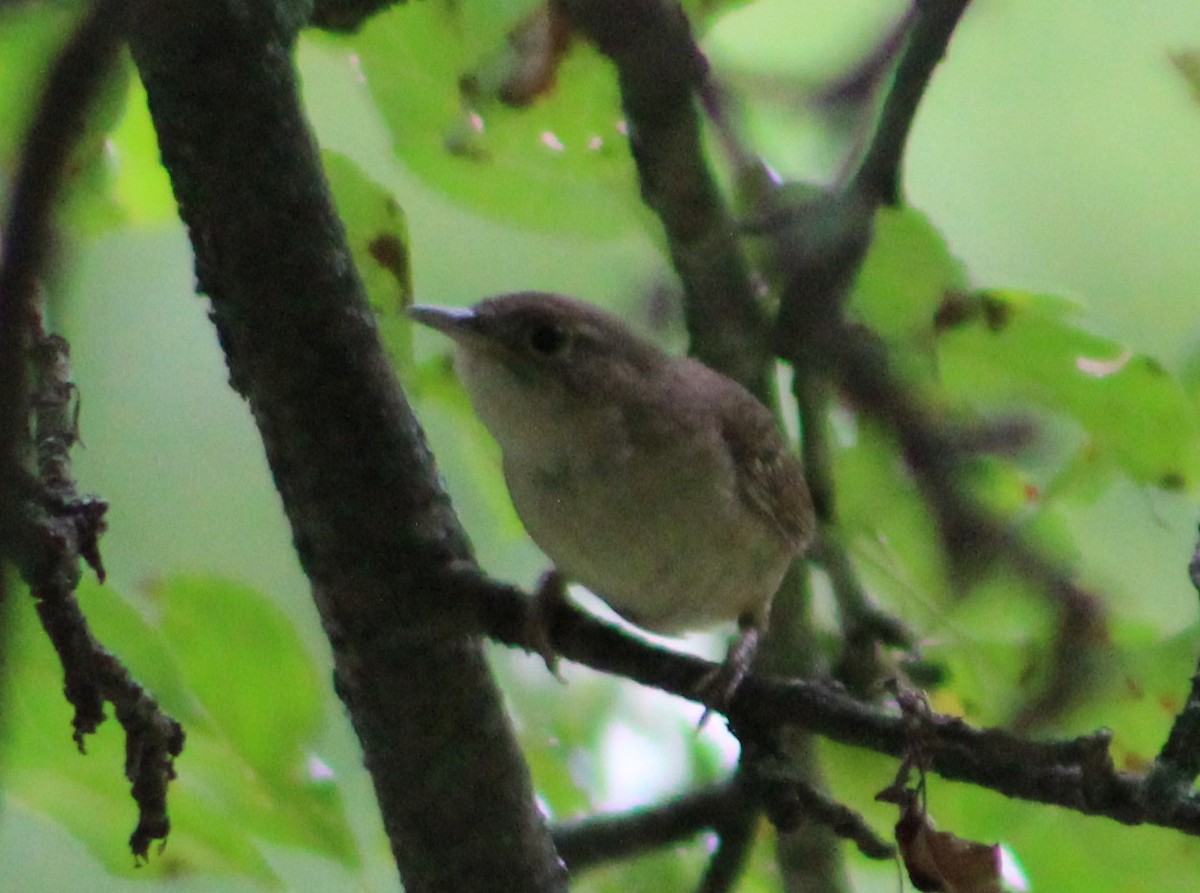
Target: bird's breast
660	533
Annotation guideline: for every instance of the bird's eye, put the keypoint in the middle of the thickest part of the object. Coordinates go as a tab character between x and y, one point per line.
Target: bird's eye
548	339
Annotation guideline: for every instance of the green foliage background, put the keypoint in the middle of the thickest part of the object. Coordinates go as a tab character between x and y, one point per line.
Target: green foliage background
1053	163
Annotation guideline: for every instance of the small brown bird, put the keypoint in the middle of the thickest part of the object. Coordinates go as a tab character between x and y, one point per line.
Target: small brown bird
662	486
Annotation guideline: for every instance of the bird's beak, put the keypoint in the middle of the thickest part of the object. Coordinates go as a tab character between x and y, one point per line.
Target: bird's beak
452	321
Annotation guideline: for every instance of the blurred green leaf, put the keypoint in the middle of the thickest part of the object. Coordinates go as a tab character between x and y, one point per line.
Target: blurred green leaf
888	528
1011	349
906	274
1146	687
114	176
30	36
378	237
561	164
140	183
260	690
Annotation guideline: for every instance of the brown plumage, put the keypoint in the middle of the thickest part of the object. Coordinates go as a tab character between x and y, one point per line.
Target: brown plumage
661	485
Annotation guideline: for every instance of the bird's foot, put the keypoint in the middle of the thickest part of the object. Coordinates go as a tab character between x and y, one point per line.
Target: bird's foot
717	688
550	594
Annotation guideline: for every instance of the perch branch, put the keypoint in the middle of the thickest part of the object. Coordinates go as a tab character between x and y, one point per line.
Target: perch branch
1077	773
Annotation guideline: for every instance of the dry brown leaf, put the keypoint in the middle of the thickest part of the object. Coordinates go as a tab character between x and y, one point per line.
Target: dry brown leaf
942	862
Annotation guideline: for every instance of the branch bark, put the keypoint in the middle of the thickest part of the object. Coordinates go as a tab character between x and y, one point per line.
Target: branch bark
371	524
1075	773
659	68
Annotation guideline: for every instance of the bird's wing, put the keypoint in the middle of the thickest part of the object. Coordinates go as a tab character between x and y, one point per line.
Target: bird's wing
769	476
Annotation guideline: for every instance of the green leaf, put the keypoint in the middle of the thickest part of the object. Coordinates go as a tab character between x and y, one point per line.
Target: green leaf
262	696
1014	350
905	276
90	203
378	237
561	164
114	176
140	184
889	529
30	36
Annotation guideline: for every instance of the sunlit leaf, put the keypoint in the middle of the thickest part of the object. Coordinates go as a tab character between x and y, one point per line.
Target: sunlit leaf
906	273
561	163
378	237
140	186
1011	349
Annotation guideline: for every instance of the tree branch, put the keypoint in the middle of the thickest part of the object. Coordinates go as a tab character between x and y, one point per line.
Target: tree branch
45	525
63	528
371	523
1077	773
347	16
659	68
584	843
735	840
792	801
68	95
878	177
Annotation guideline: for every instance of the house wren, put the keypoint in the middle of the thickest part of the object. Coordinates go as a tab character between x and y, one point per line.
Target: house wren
662	486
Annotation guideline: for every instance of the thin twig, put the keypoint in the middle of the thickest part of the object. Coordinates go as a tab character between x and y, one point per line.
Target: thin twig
71	87
63	529
735	840
1178	762
879	174
584	843
791	800
52	528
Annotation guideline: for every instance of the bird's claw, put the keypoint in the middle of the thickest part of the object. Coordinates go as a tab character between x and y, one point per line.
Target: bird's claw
551	592
717	688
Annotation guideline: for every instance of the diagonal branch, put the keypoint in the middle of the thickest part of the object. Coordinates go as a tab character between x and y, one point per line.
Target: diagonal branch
371	524
659	68
878	176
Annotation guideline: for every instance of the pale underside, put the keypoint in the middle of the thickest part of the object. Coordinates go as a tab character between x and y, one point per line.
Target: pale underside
662	532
